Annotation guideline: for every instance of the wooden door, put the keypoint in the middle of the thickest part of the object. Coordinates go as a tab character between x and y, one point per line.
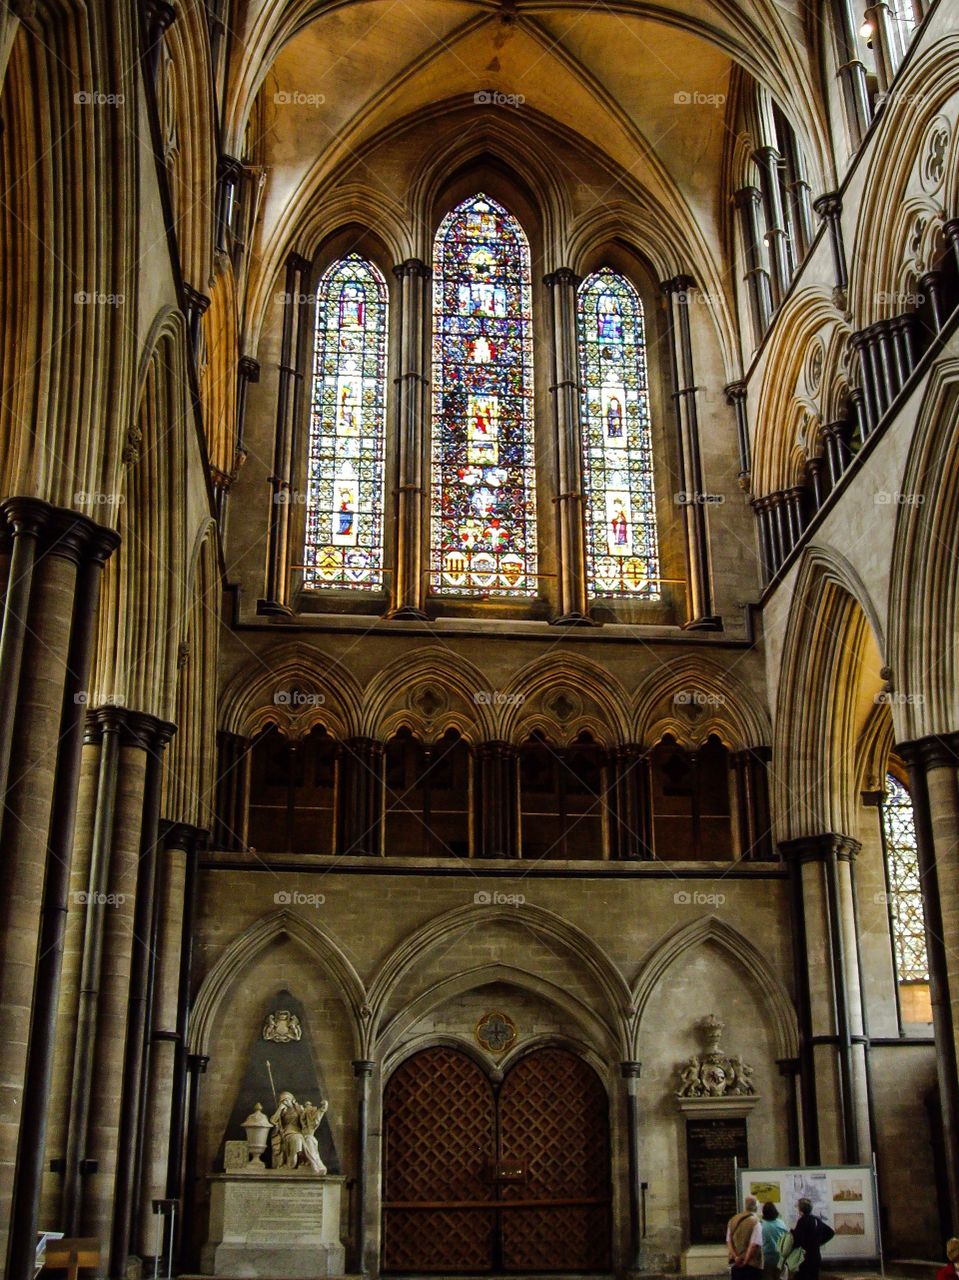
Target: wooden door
439	1143
477	1181
554	1140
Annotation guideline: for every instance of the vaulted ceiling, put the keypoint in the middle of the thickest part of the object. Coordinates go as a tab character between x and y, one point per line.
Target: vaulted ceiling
643	89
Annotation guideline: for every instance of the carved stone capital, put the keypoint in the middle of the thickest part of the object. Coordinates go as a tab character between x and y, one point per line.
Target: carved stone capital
412	268
828	206
820	847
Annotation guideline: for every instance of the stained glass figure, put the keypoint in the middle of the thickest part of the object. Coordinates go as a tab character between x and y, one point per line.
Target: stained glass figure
483	537
622	544
902	877
344	513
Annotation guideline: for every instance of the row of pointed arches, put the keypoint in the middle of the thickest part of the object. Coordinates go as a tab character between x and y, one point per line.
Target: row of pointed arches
482	491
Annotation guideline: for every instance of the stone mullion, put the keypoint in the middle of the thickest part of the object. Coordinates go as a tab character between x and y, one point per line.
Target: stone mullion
566	392
412	436
281	481
690	478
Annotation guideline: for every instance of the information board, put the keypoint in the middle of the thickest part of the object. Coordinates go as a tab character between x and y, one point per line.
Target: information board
844	1196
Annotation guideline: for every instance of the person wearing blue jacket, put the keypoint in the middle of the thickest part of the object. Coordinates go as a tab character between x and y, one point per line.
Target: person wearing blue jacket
773	1231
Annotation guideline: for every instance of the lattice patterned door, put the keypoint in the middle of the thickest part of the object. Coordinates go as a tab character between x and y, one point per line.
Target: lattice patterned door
439	1142
554	1151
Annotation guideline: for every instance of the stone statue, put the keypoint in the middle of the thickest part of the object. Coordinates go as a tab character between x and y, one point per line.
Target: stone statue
715	1074
310	1117
294	1140
691	1086
282	1026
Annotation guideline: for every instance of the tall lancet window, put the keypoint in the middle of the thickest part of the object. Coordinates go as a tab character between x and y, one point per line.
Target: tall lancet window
622	545
905	892
483	537
344	513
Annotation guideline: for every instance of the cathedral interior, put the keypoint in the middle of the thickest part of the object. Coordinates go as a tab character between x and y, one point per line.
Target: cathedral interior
479	692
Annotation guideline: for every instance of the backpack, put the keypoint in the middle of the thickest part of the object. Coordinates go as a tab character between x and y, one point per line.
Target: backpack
790	1255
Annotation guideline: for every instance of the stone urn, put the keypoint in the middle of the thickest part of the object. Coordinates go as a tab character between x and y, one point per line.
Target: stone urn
257	1129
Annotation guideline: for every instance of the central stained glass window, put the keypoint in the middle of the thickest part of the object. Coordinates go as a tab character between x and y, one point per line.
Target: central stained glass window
622	545
344	512
483	538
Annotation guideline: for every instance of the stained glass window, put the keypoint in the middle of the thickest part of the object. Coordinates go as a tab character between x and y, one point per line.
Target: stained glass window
344	513
483	502
902	875
622	546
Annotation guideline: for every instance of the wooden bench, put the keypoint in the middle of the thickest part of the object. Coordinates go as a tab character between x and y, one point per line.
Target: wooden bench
71	1254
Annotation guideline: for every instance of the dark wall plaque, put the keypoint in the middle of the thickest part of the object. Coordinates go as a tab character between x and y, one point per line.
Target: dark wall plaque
712	1146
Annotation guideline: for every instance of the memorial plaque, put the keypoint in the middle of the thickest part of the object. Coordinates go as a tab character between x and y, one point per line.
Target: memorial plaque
712	1147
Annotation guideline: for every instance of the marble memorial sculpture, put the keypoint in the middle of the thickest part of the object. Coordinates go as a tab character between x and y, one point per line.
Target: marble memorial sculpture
257	1129
715	1074
293	1142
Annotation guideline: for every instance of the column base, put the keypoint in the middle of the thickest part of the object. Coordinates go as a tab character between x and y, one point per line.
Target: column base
704	1260
574	620
711	623
273	609
407	611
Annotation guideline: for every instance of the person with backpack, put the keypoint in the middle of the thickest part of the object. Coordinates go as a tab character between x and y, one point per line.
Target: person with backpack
744	1242
810	1234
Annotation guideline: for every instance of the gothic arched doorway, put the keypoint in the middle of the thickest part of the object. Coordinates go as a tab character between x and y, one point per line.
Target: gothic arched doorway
481	1178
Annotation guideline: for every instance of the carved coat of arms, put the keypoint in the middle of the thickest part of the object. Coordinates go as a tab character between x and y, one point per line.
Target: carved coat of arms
715	1074
282	1026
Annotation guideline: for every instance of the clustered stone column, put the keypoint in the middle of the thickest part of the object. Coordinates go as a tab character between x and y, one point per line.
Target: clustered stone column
117	912
630	1072
632	800
232	786
497	800
699	586
933	764
748	202
360	808
363	1073
54	560
751	783
412	414
835	1094
565	392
